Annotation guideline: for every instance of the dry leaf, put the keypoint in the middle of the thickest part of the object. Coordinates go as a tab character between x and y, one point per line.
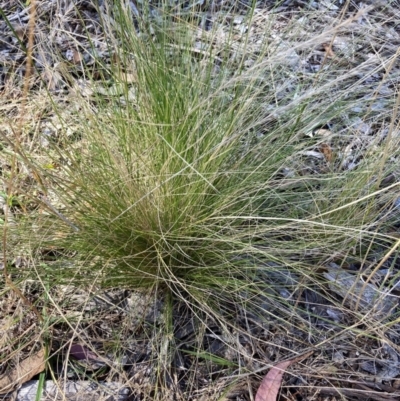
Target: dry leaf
271	383
326	150
358	293
269	387
28	368
81	352
76	56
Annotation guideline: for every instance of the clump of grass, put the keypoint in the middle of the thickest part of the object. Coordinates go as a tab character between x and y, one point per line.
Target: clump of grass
192	179
179	180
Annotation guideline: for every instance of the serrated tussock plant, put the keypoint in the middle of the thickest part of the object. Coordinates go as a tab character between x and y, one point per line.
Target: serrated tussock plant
191	177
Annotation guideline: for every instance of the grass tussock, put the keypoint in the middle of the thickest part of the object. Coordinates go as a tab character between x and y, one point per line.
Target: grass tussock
193	172
181	178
